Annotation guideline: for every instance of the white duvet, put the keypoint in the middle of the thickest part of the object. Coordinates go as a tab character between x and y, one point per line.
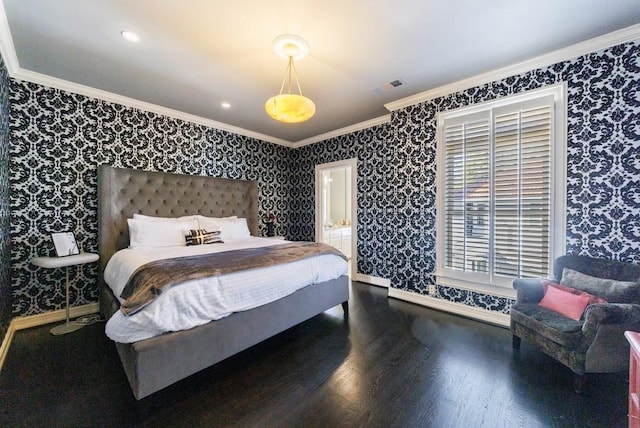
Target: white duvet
197	302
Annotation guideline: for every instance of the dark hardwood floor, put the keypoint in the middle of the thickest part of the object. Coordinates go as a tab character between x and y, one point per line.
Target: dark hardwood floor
392	364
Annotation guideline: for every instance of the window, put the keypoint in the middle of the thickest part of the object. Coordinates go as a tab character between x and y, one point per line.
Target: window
501	189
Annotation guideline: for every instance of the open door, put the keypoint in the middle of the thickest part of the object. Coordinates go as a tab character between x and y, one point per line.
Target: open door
336	207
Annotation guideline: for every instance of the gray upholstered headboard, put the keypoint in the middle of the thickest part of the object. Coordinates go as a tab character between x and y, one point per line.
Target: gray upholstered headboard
123	192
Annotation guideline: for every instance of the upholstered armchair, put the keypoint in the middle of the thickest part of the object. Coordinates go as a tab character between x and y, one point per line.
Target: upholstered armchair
589	343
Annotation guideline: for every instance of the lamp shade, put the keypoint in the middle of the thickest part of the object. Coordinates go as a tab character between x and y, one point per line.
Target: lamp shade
290	108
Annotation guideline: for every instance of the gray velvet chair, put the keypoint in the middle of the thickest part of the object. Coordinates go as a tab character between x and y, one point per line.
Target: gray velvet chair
595	343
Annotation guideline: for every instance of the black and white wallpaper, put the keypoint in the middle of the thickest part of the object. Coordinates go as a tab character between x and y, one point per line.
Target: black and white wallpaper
5	236
397	192
58	140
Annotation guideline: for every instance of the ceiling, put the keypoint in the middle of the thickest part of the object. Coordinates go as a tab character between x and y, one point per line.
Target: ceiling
196	54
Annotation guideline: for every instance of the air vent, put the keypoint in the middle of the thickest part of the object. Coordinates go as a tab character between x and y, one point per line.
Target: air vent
388	86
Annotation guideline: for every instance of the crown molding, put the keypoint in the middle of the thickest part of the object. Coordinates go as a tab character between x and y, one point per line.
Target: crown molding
6	44
13	67
65	85
90	92
10	58
343	131
592	45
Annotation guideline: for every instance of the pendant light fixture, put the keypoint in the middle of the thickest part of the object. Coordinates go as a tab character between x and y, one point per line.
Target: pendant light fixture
289	107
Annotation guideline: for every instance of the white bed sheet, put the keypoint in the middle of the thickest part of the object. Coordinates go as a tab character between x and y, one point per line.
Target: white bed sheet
197	302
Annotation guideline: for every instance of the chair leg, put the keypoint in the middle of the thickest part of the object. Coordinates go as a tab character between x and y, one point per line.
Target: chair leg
516	342
579	381
345	308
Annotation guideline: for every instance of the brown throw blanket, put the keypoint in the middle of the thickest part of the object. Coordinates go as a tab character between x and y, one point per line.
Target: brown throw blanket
148	281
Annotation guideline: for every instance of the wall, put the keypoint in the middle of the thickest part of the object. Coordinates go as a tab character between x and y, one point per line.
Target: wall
5	233
397	193
372	148
58	140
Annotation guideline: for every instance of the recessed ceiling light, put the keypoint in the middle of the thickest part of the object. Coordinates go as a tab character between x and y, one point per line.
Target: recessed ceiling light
130	36
225	105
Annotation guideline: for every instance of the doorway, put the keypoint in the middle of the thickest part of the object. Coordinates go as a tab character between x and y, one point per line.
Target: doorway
336	207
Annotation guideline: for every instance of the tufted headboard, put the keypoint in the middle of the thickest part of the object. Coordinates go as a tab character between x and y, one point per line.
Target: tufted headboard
123	192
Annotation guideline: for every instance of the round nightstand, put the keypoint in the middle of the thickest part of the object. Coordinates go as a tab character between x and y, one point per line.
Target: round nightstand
65	262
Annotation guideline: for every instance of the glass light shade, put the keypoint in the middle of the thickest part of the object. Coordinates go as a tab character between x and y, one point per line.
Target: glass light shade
290	108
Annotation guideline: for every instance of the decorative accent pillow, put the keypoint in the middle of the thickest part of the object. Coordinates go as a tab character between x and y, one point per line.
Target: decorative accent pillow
565	303
610	289
152	218
592	299
201	237
156	233
234	228
212	223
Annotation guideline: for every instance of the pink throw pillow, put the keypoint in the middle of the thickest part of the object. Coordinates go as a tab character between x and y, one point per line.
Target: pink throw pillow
564	302
592	299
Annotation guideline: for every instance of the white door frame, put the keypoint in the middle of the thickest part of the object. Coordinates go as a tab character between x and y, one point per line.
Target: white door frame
353	163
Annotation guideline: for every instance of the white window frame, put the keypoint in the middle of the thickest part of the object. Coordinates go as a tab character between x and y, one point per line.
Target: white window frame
496	284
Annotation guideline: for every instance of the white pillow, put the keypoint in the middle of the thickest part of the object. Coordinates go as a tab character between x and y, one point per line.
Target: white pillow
152	218
234	228
156	233
212	223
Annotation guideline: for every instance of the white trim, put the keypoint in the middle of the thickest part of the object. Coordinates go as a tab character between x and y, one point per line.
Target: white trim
88	91
7	49
54	316
13	67
373	280
559	174
21	323
6	342
353	164
592	45
9	55
557	90
343	131
99	94
494	290
496	318
555	94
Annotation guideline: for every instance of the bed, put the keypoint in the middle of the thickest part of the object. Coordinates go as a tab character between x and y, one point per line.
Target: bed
157	362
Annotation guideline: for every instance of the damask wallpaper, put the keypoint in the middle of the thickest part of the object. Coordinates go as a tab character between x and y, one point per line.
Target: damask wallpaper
5	236
59	139
397	193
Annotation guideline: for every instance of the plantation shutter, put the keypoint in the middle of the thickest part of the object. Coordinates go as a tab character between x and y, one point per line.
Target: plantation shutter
467	150
522	168
497	190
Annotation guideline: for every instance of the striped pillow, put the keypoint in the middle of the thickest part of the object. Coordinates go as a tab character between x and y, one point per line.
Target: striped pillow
201	236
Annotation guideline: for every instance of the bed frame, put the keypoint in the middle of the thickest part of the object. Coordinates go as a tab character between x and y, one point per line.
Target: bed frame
155	363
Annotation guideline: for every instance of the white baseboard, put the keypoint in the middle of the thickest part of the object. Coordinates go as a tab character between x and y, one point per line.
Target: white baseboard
4	348
48	317
373	280
496	318
20	323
